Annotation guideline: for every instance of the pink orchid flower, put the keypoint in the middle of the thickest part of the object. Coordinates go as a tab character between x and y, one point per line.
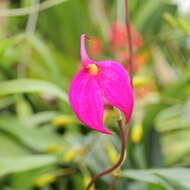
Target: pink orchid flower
96	83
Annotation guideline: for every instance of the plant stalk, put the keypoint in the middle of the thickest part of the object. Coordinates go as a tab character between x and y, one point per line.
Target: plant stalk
131	69
130	41
118	163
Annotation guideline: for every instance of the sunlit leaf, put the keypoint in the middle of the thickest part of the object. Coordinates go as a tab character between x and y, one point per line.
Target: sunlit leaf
30	86
23	163
181	176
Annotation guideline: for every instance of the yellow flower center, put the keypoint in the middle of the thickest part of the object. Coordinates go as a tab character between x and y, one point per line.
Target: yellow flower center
93	69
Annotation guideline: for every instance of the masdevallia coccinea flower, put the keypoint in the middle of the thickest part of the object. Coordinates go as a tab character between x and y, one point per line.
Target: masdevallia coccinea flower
96	83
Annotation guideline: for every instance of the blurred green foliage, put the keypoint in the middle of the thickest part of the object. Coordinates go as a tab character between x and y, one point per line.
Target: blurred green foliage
43	146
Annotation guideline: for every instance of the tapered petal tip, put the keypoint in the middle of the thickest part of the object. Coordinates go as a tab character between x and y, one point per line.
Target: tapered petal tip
104	131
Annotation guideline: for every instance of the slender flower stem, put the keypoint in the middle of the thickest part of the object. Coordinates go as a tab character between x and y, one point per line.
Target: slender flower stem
130	41
118	163
131	55
131	68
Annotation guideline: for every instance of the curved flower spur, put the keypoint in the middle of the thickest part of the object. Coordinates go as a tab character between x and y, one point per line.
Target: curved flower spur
95	83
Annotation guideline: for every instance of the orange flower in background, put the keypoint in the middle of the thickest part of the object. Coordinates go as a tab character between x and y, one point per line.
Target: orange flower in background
119	46
95	46
142	91
139	60
137	39
118	37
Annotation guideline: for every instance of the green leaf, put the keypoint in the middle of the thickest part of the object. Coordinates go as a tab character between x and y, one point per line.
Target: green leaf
175	146
144	13
6	43
6	101
27	179
165	177
177	90
140	175
48	60
40	139
10	147
174	129
42	117
172	119
23	163
30	86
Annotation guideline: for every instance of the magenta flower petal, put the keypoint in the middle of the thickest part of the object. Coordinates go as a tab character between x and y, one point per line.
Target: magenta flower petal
86	101
115	86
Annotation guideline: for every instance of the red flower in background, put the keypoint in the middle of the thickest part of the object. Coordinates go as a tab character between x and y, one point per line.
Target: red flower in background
119	46
118	37
95	46
139	60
